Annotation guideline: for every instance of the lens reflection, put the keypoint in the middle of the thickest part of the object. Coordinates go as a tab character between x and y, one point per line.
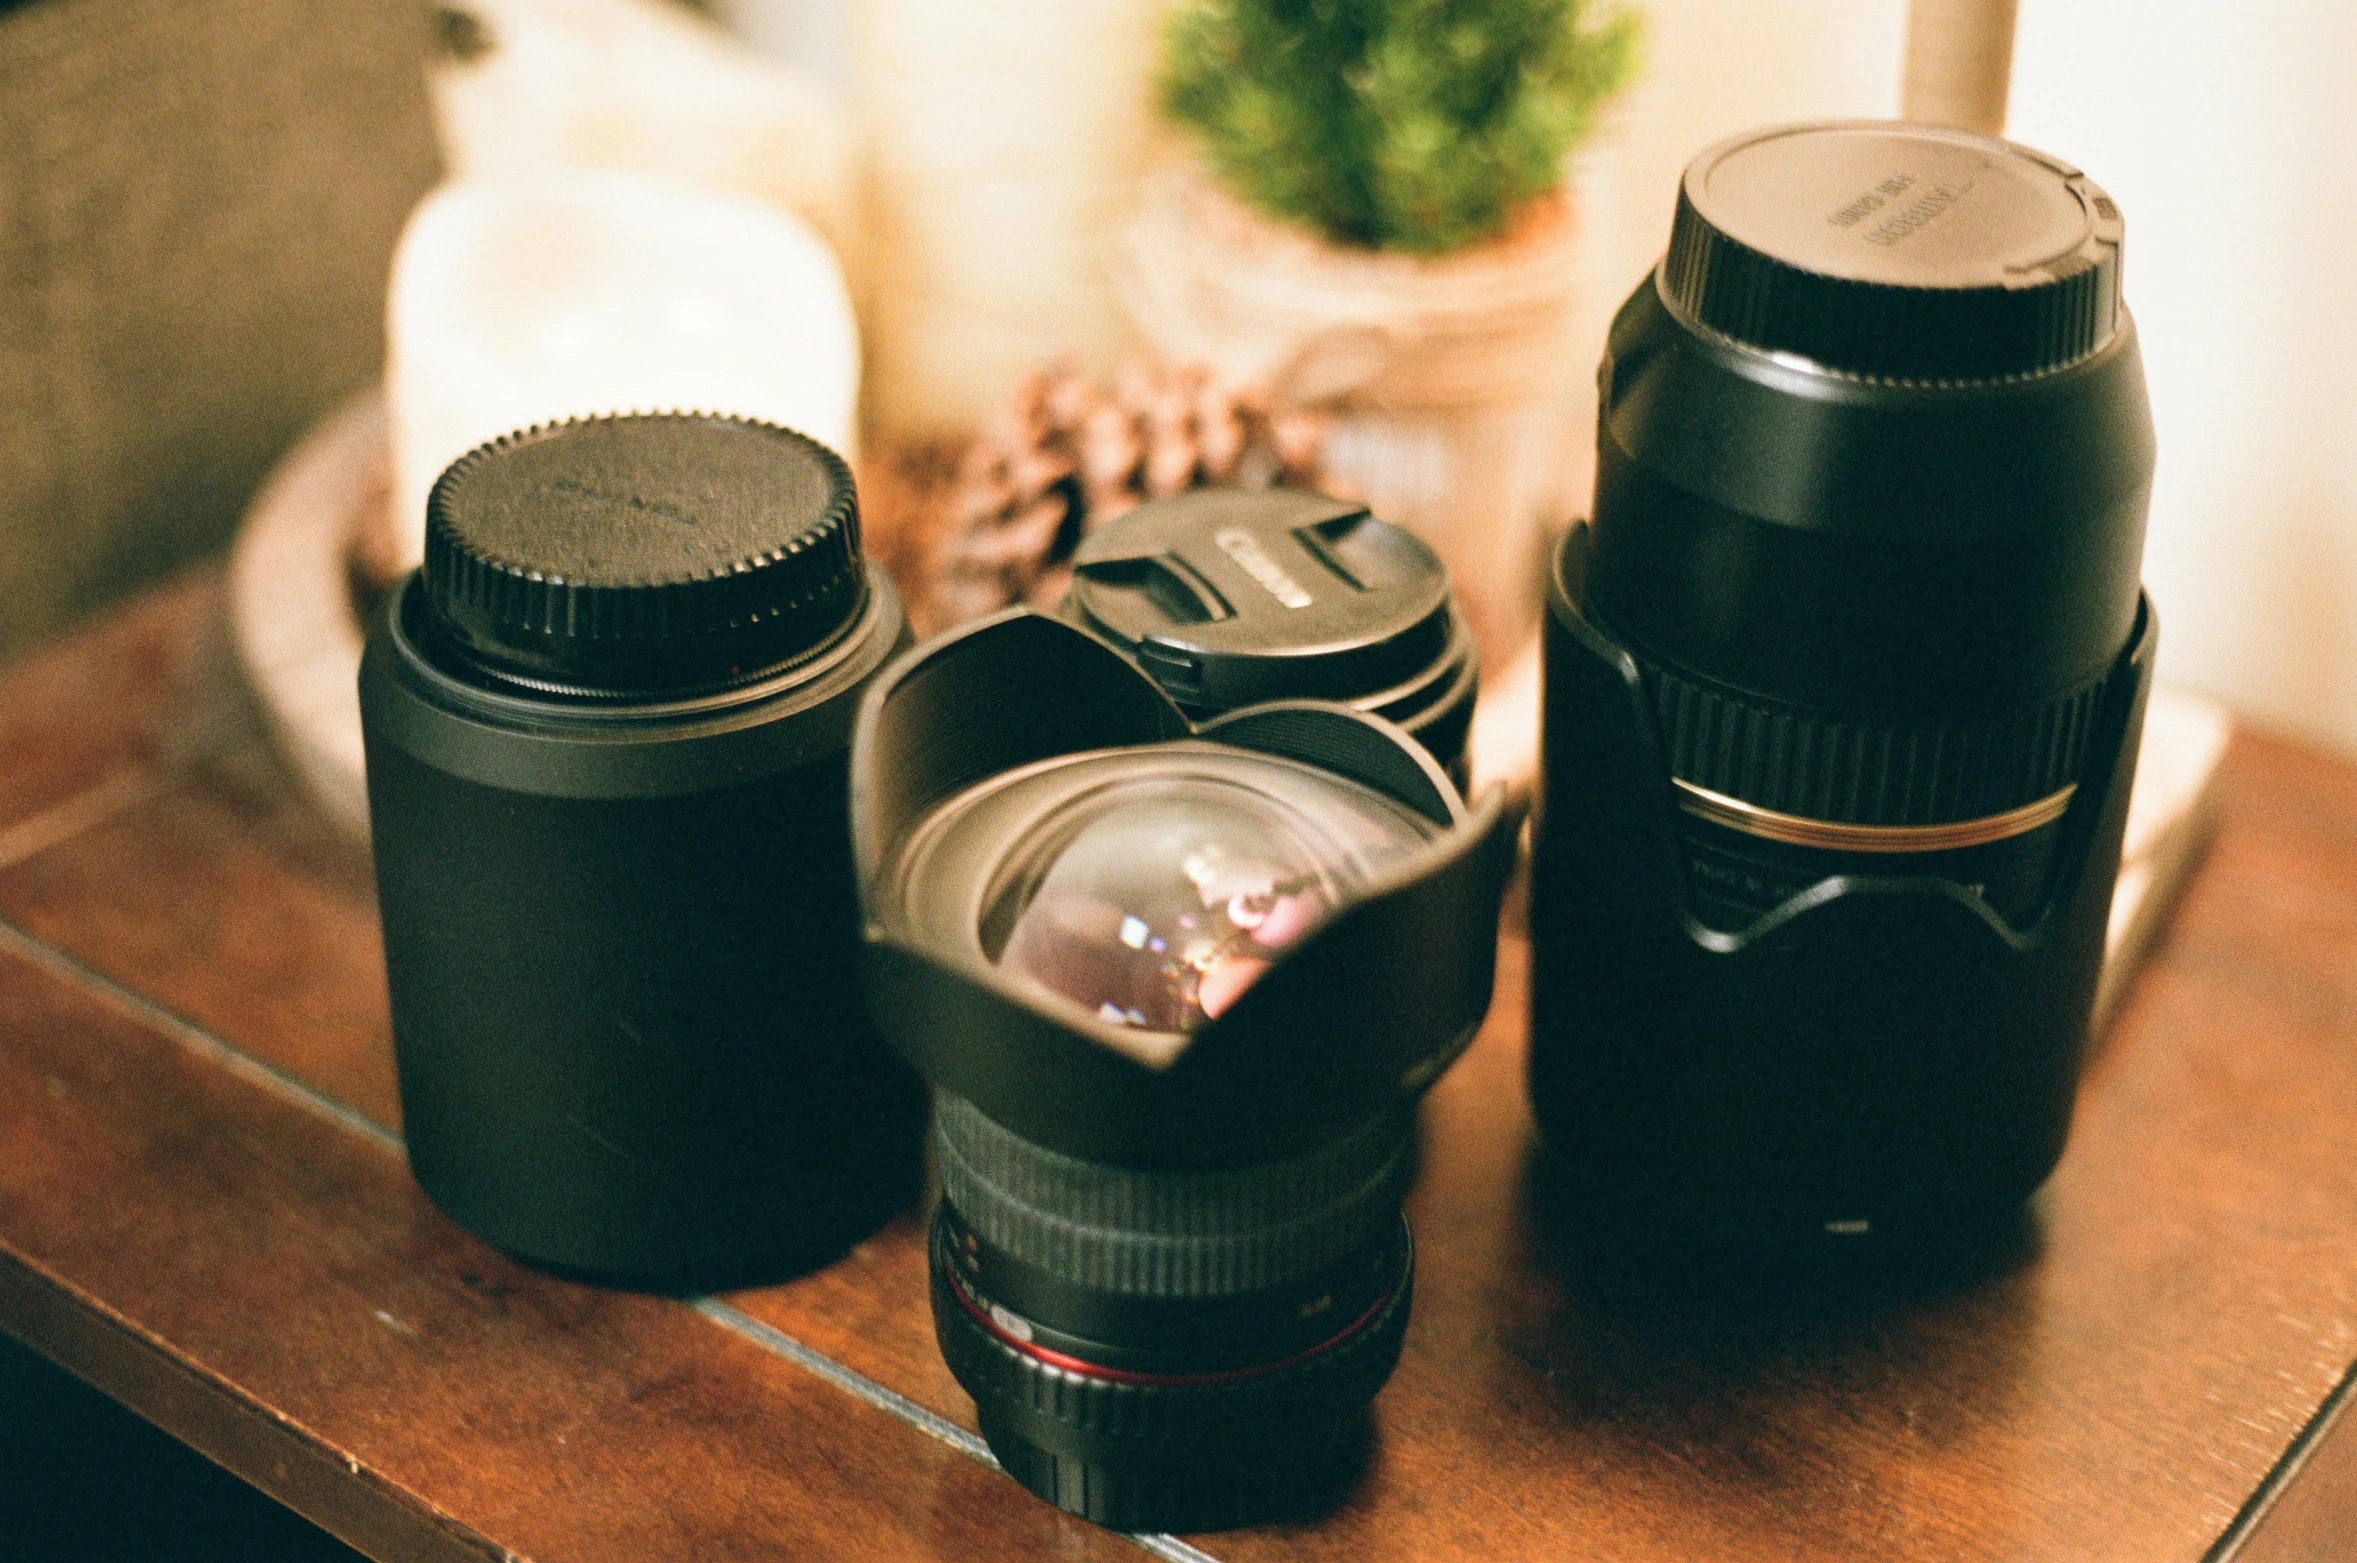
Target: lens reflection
1158	904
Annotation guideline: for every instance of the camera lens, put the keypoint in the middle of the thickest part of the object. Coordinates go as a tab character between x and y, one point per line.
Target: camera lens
608	733
1228	597
1844	679
1176	990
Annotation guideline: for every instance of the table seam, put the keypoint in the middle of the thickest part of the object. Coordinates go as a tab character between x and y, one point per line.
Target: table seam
2280	1476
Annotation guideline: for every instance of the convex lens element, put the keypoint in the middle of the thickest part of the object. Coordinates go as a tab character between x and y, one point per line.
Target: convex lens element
1158	903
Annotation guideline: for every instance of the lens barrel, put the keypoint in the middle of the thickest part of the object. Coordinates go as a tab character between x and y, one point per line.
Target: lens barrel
1230	597
607	733
1169	1262
1844	680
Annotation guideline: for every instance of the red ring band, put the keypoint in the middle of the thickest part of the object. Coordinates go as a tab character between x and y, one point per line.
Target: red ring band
1070	1364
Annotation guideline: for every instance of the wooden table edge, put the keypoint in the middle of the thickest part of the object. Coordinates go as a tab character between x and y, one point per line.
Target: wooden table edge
278	1457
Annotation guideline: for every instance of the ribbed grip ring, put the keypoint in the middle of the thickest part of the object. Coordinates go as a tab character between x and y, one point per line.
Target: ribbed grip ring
1173	1234
1796	762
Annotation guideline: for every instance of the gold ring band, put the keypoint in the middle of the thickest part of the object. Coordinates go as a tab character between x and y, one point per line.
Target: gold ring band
1799	831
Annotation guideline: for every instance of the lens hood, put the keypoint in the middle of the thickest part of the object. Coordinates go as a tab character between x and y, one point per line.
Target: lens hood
1881	1051
1340	1008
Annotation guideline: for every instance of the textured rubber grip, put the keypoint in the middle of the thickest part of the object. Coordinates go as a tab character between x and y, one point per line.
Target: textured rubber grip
1796	762
1174	1234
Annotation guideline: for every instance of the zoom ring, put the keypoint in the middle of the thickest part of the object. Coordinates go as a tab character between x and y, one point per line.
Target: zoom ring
1795	762
1173	1234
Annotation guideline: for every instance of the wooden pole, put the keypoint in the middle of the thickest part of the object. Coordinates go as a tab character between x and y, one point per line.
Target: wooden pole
1959	63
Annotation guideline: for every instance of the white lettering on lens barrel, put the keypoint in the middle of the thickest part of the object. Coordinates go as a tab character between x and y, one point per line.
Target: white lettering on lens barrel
1245	549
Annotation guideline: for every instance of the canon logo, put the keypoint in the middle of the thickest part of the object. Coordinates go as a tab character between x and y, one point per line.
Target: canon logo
1245	549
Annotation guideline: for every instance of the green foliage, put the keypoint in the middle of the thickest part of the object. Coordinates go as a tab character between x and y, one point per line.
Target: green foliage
1410	124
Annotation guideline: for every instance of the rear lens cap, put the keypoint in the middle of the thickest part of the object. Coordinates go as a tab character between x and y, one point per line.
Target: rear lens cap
655	555
1896	251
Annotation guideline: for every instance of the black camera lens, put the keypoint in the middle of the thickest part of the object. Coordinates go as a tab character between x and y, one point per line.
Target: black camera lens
1844	680
1230	597
608	731
1177	989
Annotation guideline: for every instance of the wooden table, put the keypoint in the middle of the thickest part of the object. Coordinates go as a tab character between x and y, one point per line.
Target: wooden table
204	1211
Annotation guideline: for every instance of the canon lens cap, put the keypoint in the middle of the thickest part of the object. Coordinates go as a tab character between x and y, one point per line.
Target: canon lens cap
1228	597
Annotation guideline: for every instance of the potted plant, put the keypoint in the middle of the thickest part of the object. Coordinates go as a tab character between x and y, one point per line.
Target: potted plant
1378	222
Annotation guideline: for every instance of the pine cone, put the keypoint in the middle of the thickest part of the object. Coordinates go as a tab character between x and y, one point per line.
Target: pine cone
1066	455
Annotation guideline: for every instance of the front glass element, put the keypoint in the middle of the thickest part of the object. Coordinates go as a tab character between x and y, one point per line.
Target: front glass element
1157	903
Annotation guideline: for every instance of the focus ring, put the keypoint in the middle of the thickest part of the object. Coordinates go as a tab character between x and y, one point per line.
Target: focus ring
1173	1234
1796	762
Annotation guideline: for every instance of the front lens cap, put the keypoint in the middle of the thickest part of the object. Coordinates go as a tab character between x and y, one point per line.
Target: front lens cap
1229	597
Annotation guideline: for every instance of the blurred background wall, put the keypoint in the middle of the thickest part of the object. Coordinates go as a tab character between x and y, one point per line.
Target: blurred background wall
198	203
2225	133
195	269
